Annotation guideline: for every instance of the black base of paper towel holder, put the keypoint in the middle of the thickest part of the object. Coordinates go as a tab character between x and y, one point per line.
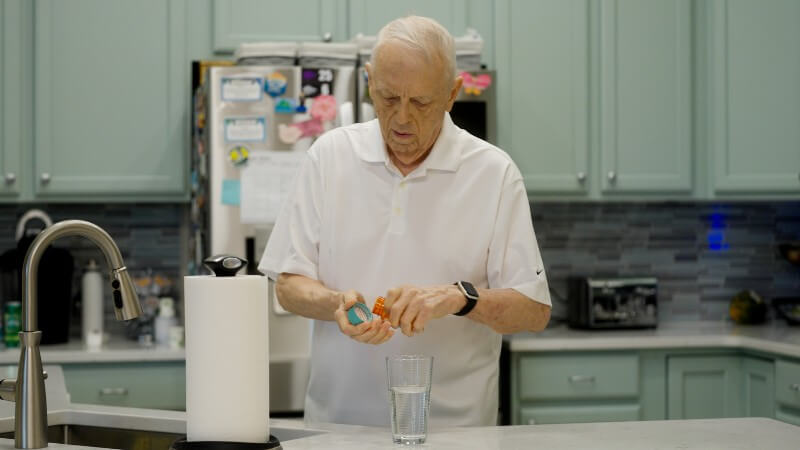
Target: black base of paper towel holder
183	444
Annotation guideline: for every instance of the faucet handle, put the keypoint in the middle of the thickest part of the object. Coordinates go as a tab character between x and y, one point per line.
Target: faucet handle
8	388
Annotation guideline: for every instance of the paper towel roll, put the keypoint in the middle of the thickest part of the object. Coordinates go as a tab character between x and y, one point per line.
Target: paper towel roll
227	360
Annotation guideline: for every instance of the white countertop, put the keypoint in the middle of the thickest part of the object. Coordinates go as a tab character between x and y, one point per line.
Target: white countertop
117	349
773	337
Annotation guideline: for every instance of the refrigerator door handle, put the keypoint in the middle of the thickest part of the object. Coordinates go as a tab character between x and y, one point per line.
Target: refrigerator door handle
346	114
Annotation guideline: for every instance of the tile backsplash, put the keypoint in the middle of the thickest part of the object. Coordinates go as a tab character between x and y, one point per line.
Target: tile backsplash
701	253
148	236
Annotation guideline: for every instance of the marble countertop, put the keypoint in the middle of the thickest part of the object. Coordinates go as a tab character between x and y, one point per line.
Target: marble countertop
117	349
773	337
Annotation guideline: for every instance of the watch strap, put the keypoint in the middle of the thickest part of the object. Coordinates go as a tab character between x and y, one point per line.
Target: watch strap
471	297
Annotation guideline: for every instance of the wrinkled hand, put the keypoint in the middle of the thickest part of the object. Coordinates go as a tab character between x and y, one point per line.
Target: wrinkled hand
412	307
377	331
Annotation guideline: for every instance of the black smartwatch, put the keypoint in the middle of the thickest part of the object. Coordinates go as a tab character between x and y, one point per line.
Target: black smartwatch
470	293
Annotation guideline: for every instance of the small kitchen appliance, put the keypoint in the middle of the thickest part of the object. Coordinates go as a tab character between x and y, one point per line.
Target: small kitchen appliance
607	303
227	359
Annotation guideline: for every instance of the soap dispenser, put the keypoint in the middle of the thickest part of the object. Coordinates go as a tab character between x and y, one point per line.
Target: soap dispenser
165	320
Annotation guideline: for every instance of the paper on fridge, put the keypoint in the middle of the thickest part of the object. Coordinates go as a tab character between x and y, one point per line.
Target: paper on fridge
266	180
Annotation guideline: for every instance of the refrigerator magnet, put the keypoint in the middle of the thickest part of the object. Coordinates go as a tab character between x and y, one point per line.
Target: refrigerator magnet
244	89
245	129
238	155
275	84
289	134
323	107
286	105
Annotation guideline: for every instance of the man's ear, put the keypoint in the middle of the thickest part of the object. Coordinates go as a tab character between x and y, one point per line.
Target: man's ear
454	92
370	71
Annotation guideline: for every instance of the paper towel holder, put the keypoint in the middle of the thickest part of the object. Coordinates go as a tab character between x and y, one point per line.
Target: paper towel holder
224	265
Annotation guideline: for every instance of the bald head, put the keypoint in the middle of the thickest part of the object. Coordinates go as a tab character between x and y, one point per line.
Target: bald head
422	37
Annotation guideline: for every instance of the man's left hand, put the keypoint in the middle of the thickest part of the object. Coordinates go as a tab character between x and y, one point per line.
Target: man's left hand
411	307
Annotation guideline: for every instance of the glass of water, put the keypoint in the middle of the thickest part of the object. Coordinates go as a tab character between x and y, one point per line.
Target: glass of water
409	382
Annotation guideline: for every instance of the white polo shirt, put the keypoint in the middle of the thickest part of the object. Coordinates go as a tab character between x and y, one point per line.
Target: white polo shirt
353	221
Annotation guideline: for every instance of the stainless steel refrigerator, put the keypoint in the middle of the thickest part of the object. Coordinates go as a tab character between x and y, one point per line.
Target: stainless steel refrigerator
239	112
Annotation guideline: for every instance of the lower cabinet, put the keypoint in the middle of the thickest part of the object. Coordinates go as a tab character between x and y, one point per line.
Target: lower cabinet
703	387
607	386
575	387
154	385
787	391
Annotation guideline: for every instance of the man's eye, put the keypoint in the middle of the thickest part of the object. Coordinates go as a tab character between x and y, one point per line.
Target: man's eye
420	103
392	99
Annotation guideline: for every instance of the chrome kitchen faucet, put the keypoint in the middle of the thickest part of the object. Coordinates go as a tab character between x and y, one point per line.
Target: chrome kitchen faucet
27	390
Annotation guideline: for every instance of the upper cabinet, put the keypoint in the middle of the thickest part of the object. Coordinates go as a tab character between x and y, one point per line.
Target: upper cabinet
11	98
645	92
543	96
754	96
237	21
111	100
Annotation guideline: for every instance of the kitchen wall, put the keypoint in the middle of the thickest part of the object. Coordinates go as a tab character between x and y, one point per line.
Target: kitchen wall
149	237
701	253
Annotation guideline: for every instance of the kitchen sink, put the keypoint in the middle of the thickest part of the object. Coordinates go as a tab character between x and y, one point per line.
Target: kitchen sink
118	438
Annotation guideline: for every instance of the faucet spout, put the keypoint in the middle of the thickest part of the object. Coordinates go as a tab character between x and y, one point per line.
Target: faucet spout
126	302
30	418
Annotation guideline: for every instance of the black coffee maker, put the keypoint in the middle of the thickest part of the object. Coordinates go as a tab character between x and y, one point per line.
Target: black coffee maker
54	287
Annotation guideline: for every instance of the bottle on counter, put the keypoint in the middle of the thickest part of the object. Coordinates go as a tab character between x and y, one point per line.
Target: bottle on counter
165	320
11	317
92	305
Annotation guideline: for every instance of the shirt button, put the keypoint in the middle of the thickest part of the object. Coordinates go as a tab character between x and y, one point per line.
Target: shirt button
403	185
398	211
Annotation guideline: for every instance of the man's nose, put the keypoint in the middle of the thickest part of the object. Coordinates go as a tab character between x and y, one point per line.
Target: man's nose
403	114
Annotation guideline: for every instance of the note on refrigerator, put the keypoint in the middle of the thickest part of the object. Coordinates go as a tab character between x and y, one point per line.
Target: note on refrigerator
266	181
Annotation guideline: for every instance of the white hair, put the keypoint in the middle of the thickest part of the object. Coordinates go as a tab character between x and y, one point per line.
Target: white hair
423	35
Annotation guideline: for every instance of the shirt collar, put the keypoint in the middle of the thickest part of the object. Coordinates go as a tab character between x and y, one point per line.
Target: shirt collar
443	156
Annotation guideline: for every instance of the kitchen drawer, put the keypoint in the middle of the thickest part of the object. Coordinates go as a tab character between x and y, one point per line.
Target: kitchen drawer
579	414
581	376
156	385
787	383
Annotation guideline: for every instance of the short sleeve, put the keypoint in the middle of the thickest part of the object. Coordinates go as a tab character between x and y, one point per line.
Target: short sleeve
514	259
293	245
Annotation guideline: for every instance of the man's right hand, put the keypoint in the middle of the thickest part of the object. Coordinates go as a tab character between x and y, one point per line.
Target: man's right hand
377	331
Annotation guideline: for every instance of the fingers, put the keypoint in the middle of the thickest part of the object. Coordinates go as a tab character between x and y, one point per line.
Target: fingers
383	334
398	307
409	316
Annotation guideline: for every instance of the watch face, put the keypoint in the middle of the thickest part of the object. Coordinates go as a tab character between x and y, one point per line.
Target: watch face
469	289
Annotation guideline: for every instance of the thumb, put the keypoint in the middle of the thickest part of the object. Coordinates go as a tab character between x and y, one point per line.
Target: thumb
351	298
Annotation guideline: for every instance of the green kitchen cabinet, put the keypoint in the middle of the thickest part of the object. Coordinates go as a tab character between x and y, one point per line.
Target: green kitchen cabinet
368	16
111	87
787	391
12	101
703	386
754	96
575	387
645	96
154	385
543	92
758	384
238	21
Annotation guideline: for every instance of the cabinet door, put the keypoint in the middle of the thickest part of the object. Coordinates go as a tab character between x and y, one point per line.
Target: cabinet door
542	50
237	21
579	414
111	90
701	387
155	385
11	97
645	90
755	95
758	376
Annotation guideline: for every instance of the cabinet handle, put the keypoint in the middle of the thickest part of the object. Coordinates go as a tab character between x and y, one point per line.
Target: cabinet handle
612	176
581	379
327	37
113	391
10	178
45	178
581	177
531	421
794	387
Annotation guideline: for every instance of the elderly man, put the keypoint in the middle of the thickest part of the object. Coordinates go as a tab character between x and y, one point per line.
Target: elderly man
413	208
